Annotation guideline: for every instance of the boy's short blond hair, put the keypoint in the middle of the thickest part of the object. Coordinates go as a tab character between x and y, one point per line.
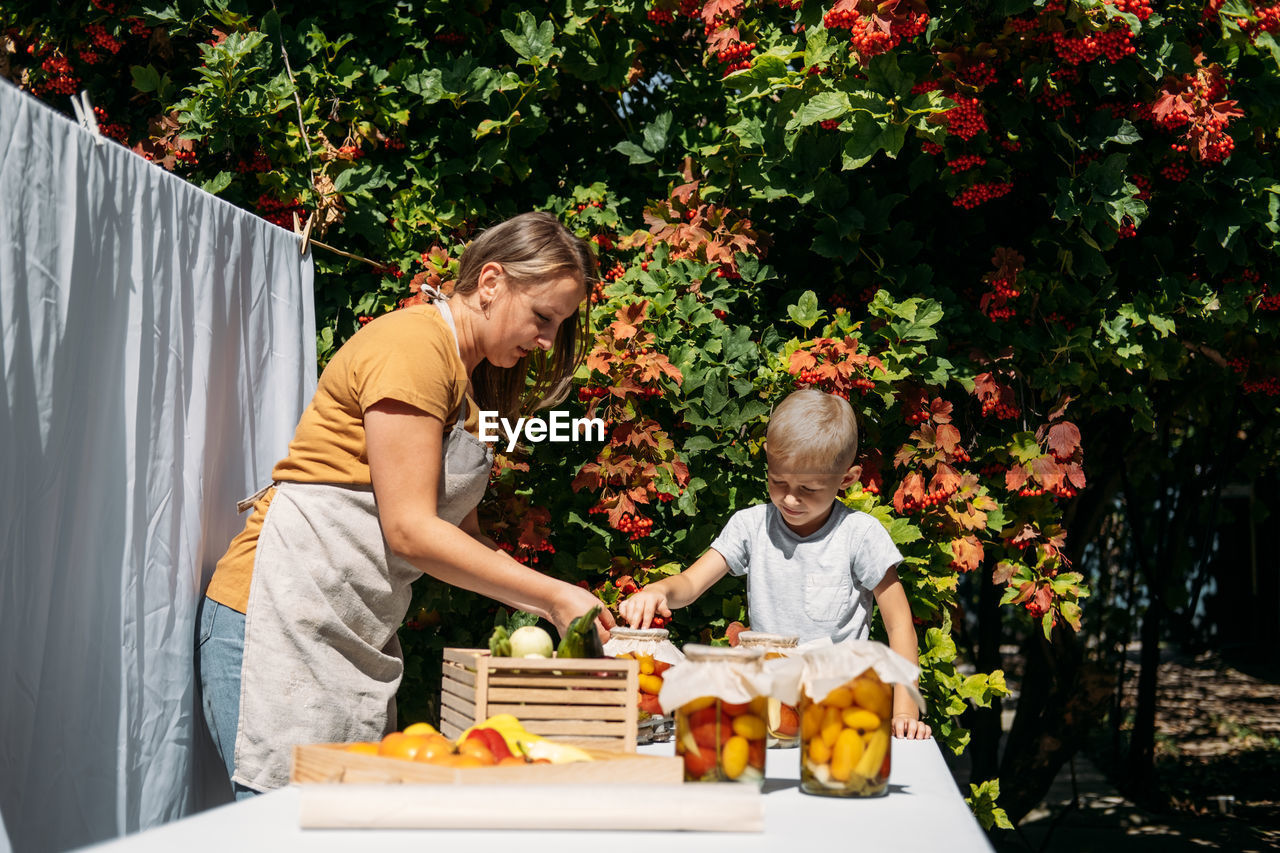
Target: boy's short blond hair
814	431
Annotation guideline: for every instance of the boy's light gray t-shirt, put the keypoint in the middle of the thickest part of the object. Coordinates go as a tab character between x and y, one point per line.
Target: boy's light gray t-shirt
813	586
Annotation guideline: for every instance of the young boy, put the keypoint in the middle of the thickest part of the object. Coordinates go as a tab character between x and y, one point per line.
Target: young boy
812	565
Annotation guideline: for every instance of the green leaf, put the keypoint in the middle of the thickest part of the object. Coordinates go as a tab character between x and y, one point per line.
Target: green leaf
655	133
534	43
824	106
145	78
805	312
884	76
815	46
634	153
217	183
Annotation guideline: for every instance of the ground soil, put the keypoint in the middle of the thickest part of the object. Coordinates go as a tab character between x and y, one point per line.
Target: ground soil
1218	770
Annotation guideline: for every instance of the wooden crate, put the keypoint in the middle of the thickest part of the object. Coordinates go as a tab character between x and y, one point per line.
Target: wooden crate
588	702
332	763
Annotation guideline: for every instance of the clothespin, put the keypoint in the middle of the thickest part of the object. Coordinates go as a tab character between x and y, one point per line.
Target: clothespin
303	231
84	114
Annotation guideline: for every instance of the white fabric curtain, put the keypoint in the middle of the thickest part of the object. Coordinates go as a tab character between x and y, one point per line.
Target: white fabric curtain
157	346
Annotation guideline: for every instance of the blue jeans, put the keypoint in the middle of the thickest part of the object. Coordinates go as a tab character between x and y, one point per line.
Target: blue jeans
218	656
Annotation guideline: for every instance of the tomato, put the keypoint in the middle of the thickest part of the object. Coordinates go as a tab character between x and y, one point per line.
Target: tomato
789	722
701	717
401	745
708	735
697	766
660	667
755	754
436	748
733	709
475	748
650	705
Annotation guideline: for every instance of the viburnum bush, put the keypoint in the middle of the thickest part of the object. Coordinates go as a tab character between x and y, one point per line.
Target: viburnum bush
1022	238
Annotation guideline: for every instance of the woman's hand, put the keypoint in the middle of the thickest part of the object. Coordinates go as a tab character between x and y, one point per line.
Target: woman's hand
907	726
640	608
574	601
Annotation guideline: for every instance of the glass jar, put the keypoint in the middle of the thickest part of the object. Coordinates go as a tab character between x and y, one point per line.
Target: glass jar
722	741
845	739
783	720
643	644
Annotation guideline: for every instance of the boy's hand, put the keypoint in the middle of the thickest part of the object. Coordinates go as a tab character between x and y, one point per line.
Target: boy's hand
640	608
907	726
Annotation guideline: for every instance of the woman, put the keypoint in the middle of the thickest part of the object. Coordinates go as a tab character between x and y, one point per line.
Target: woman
298	629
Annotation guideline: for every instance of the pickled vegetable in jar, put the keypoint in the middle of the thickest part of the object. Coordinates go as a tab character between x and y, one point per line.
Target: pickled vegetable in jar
846	740
655	653
721	740
783	720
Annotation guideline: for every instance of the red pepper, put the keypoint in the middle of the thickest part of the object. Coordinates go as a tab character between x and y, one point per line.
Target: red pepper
493	740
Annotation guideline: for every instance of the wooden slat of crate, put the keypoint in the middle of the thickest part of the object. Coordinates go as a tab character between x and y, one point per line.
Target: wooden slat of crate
579	701
332	763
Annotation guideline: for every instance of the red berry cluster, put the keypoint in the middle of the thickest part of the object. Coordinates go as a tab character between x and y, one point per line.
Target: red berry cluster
449	38
665	497
1140	9
60	81
1002	411
966	162
637	526
138	27
925	86
728	271
965	120
931	499
981	193
929	147
88	57
1126	230
101	38
350	151
1177	171
1143	183
1037	610
978	75
393	143
790	5
364	319
111	130
604	241
1238	364
586	393
962	455
105	5
1114	45
661	17
615	272
830	124
720	314
1031	491
279	212
587	204
187	158
1269	301
1056	319
691	8
736	56
1269	386
1056	101
257	162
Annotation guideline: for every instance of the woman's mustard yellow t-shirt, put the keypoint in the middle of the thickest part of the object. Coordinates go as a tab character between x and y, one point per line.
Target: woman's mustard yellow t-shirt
409	356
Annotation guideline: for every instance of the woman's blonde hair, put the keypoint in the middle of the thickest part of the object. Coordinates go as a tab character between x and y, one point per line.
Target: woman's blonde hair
532	249
814	430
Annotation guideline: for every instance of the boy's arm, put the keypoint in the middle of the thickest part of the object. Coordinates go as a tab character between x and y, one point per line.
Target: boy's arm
896	612
674	592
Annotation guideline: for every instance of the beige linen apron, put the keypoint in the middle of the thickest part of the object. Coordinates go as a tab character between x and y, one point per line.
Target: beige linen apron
321	658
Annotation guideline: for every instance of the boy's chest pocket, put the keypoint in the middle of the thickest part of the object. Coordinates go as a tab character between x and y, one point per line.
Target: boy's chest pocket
826	596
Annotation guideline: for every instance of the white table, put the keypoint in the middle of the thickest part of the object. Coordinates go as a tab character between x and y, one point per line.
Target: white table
922	811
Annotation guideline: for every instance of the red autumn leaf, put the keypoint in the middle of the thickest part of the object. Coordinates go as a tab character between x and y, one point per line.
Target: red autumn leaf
940	411
622	506
713	9
948	438
1003	572
1043	598
801	359
1048	472
966	553
534	527
1075	474
1015	478
911	487
1064	440
629	319
1027	534
986	387
945	479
